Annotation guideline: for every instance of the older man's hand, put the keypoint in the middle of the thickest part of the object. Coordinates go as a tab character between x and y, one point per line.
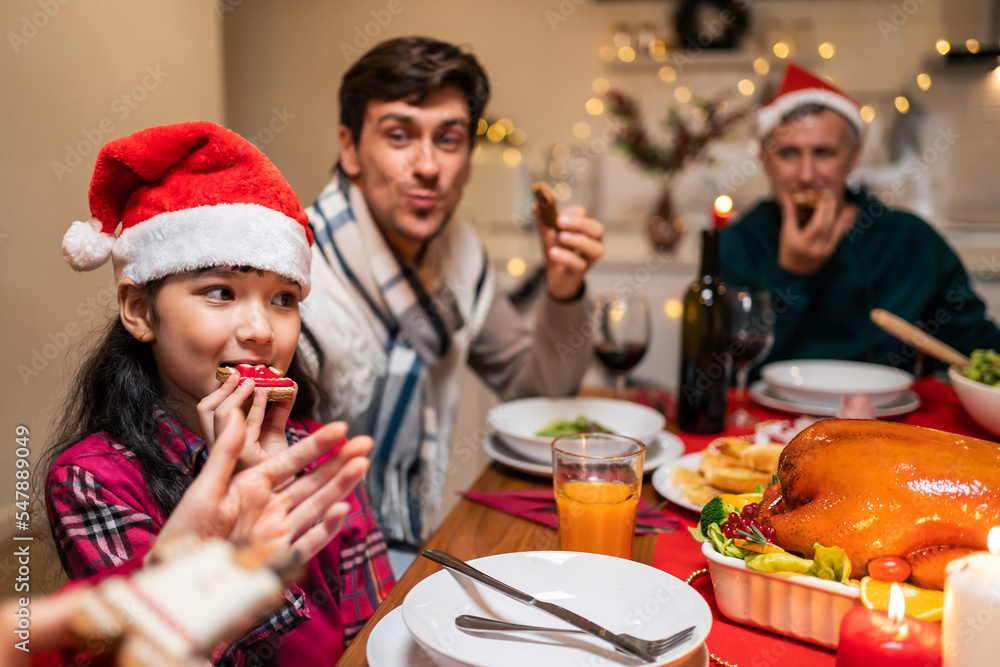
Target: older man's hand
570	250
803	250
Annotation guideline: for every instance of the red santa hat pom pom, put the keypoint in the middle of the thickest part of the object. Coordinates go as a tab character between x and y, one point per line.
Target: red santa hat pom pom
86	246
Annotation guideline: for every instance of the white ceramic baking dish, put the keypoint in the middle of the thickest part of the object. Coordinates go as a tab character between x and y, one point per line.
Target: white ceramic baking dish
806	608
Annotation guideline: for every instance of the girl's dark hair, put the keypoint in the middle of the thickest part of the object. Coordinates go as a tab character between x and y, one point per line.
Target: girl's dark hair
409	68
117	391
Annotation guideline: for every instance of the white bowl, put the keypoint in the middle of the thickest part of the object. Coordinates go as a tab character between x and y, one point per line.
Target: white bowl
808	608
620	594
517	421
826	381
981	401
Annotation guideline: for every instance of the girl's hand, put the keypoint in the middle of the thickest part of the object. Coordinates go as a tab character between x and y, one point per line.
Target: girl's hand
265	429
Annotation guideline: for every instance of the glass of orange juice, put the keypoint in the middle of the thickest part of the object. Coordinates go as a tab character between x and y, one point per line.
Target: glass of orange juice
597	479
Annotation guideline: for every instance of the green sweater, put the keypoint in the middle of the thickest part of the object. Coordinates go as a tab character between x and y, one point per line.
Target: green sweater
888	259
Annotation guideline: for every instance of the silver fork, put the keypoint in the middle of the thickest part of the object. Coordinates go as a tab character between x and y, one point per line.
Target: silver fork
480	625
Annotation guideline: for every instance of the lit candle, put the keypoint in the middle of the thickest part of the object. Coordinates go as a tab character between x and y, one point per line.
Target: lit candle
721	211
869	637
971	623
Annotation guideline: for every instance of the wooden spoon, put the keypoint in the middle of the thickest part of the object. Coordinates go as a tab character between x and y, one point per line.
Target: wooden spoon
918	338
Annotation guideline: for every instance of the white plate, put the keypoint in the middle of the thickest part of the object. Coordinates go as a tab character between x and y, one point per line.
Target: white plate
517	421
824	381
663	481
764	394
664	448
390	644
620	594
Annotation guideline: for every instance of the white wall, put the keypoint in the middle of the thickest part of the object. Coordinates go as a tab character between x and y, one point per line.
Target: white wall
65	72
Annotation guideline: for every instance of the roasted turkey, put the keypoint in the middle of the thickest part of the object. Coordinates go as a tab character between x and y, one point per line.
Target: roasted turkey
879	488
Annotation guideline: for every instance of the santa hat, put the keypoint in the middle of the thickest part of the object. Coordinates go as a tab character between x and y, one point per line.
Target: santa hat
800	88
189	196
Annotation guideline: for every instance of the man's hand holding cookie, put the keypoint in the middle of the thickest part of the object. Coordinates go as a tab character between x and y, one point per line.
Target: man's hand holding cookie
811	229
571	246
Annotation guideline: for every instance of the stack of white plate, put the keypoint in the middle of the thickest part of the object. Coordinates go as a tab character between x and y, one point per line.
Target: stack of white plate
621	595
817	386
515	423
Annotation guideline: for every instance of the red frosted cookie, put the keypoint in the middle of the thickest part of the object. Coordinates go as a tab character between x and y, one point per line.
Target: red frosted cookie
278	388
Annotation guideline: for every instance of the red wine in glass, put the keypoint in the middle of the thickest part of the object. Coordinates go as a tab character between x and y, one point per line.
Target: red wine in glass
749	348
620	358
750	341
623	333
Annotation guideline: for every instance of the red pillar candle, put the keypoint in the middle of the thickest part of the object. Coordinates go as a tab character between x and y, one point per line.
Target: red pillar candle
869	638
721	210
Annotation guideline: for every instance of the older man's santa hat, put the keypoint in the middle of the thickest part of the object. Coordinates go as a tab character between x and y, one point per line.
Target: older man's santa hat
800	88
189	196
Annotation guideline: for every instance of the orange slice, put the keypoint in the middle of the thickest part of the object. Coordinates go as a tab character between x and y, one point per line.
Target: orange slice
738	501
759	548
920	603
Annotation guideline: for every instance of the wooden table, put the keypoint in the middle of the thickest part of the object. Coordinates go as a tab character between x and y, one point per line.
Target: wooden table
473	530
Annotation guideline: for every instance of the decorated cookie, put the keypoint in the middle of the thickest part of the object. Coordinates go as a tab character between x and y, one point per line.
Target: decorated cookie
278	388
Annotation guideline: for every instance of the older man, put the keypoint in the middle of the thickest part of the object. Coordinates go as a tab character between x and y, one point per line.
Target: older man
830	255
403	296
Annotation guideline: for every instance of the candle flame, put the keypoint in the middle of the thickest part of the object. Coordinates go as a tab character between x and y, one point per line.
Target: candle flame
897	605
993	540
723	204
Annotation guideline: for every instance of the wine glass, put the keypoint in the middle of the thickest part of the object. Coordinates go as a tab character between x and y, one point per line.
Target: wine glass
751	340
622	336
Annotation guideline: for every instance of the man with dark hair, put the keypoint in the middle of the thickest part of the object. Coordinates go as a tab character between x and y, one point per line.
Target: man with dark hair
403	297
830	255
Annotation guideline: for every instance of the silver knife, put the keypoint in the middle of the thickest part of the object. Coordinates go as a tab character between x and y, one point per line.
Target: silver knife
453	563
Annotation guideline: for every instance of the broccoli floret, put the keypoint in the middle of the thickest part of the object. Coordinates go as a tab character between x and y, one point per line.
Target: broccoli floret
714	511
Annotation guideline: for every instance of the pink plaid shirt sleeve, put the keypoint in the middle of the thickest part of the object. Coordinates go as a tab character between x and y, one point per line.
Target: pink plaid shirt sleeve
94	528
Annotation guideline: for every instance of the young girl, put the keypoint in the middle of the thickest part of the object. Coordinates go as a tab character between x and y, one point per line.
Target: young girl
211	263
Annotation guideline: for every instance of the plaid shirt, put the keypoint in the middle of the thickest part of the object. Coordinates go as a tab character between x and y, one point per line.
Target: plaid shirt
102	514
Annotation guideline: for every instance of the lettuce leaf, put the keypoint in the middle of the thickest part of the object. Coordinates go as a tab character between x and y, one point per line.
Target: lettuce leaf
779	562
831	563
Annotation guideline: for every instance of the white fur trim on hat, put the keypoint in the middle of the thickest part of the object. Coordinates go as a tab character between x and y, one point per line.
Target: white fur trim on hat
770	115
217	235
85	246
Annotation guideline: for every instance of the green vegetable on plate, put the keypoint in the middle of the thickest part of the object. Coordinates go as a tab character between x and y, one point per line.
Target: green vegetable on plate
560	427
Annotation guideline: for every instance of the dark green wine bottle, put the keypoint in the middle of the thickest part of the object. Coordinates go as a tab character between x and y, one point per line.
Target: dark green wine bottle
705	334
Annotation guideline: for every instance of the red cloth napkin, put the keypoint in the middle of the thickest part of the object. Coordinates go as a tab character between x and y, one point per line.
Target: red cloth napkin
678	554
538	505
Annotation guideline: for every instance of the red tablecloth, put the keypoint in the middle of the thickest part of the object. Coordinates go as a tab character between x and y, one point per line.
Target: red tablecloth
678	554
